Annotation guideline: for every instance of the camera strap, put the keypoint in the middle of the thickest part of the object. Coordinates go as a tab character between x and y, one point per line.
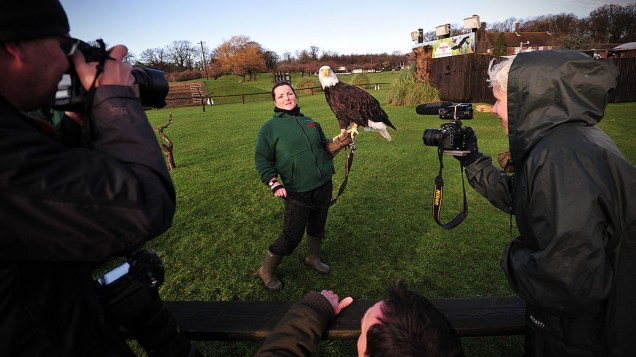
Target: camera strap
438	195
348	162
87	129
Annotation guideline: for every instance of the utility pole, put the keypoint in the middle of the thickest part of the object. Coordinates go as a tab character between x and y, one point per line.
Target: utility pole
205	65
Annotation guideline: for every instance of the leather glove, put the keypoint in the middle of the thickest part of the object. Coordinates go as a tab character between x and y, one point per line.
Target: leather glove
346	141
471	144
333	146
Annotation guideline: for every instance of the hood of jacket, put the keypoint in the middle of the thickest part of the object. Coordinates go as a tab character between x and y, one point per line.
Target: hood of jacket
547	89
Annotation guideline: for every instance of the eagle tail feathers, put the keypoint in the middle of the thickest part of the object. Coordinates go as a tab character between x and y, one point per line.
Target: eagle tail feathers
380	128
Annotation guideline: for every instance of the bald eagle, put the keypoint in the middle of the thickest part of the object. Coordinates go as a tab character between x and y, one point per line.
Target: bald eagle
353	105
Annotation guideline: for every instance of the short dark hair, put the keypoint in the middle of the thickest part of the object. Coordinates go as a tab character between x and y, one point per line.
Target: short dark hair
281	83
411	326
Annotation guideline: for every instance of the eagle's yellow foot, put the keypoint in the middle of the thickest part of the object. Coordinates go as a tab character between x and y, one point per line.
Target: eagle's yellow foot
353	131
343	135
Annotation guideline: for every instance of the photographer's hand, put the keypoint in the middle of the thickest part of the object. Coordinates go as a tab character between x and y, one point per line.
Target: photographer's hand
471	144
335	301
115	71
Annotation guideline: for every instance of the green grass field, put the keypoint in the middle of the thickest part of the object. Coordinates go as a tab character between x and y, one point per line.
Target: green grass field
380	230
233	86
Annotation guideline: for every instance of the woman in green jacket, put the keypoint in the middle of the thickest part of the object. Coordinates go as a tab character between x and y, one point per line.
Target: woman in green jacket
294	147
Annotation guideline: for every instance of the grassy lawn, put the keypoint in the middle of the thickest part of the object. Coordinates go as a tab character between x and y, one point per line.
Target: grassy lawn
380	230
235	85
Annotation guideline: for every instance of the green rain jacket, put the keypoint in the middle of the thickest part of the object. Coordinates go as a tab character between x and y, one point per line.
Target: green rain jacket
574	199
294	148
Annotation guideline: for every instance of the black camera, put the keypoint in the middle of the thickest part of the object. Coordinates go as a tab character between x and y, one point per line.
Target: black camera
71	95
450	137
129	295
457	111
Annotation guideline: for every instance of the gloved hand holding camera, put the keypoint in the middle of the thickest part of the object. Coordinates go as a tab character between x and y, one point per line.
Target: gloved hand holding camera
471	145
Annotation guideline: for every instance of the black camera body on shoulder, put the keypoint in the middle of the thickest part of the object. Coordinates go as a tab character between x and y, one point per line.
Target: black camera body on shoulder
129	295
71	95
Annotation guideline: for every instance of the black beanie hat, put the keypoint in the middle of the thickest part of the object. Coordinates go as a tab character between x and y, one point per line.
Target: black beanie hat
29	19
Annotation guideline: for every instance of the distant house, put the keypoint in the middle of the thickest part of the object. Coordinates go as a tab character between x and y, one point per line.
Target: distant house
625	50
516	41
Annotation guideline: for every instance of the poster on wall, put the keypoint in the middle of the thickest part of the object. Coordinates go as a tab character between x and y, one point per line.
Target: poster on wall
452	46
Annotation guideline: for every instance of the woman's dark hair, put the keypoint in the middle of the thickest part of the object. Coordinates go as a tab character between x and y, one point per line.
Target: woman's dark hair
281	83
411	326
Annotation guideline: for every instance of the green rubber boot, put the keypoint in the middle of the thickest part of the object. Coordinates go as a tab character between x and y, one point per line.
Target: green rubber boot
313	255
266	271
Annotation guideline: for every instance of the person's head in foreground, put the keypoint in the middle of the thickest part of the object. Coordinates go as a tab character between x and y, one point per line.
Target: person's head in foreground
33	52
405	323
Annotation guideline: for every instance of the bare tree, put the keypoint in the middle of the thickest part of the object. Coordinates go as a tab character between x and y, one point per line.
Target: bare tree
613	23
167	146
508	25
155	58
313	52
181	53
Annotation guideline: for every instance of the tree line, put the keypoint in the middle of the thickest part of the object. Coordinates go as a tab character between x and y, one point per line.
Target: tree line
609	23
183	60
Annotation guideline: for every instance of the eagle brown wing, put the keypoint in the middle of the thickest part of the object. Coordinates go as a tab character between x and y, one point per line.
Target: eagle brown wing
343	114
358	104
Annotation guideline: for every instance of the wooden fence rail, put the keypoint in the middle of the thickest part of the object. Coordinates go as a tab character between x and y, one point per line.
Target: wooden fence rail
254	320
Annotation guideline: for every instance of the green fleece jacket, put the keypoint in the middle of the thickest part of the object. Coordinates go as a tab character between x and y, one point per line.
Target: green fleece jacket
293	147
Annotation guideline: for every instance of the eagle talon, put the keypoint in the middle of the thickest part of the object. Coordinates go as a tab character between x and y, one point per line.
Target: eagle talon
353	132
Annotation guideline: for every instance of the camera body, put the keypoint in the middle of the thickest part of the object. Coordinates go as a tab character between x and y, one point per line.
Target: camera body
450	137
71	95
129	295
457	111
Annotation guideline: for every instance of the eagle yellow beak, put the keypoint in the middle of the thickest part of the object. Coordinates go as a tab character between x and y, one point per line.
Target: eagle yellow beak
325	72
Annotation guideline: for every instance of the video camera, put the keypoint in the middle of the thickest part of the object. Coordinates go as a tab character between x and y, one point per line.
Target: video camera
129	295
71	95
450	137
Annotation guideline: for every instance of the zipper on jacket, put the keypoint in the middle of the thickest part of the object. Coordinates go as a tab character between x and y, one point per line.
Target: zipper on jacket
312	149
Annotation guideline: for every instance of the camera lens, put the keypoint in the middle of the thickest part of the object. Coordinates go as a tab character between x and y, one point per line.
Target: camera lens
432	137
153	87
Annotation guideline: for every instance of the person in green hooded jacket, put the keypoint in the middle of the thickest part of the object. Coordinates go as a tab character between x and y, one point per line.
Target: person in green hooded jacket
294	147
573	195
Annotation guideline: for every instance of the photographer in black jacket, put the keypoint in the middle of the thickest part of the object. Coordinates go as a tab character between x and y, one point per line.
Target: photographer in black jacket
573	195
64	210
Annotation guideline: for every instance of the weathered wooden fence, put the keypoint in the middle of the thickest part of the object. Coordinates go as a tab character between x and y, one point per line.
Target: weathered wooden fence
262	96
463	79
626	89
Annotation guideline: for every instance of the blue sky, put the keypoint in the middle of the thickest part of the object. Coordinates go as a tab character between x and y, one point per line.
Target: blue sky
344	26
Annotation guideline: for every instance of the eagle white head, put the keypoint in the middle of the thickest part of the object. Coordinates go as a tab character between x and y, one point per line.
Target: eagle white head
326	77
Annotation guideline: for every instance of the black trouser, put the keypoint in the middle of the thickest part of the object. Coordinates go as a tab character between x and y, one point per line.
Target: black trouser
548	335
303	211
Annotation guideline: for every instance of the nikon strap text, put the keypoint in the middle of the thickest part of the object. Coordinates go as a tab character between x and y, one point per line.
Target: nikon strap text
439	193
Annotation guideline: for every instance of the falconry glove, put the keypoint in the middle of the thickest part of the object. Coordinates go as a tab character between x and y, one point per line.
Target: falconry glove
333	146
